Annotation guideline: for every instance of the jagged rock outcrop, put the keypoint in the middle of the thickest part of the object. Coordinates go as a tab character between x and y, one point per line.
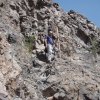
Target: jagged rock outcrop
74	74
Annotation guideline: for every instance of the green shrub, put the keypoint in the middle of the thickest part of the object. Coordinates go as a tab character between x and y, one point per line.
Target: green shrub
95	46
29	40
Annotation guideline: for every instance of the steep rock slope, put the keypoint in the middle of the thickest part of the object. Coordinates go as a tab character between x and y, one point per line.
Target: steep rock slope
75	72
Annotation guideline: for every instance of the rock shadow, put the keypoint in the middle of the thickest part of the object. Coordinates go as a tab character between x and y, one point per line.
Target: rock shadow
42	57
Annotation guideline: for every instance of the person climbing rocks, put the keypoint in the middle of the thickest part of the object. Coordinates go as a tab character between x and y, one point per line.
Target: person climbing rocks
49	46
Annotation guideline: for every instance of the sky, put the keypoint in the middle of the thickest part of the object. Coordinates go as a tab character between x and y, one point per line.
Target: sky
88	8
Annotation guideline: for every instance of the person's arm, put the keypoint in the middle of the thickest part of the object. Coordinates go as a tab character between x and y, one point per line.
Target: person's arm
45	41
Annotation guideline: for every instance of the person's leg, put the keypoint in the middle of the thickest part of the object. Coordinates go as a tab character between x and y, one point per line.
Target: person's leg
50	52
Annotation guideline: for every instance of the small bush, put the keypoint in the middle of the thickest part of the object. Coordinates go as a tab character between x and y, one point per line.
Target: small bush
95	47
29	41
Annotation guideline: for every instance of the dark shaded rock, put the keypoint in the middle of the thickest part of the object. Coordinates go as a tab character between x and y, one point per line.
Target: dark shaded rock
3	97
42	3
1	5
83	36
0	38
71	12
11	38
17	91
48	92
86	97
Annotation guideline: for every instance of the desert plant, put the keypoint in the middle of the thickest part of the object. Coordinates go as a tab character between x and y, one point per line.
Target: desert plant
29	42
95	46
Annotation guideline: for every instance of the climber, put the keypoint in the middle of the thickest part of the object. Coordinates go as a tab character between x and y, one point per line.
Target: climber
49	46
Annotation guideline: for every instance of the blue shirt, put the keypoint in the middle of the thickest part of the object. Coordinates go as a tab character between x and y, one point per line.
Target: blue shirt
49	40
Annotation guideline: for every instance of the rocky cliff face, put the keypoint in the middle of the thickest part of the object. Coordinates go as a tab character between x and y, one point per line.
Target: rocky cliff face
74	74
